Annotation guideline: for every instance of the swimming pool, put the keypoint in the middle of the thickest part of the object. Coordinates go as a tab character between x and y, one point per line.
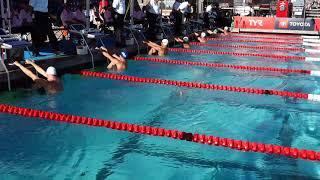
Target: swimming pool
33	149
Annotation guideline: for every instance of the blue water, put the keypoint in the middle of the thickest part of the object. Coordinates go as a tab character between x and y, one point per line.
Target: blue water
36	149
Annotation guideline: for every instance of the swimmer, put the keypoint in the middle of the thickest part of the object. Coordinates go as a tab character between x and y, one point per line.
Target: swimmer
118	63
214	32
224	31
200	38
51	84
184	41
157	49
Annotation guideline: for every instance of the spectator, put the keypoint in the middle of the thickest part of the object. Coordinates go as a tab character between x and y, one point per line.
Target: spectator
68	17
138	15
103	5
107	16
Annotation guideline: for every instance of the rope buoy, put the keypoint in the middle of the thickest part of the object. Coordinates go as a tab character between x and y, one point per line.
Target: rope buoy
297	95
250	47
229	66
239	145
273	56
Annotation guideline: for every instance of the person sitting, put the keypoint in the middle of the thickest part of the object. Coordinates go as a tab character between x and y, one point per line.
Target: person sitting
161	50
117	63
26	15
184	41
199	37
51	84
69	17
107	16
138	15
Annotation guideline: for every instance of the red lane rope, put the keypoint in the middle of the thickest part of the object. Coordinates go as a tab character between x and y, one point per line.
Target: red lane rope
240	145
273	56
219	65
249	47
194	85
267	37
252	41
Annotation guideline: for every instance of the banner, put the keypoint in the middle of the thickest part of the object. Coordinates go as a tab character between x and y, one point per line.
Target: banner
308	24
254	22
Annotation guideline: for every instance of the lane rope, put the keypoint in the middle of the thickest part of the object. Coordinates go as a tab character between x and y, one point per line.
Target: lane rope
239	145
258	91
273	56
249	47
229	66
253	41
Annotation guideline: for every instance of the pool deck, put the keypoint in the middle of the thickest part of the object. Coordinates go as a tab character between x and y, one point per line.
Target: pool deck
63	64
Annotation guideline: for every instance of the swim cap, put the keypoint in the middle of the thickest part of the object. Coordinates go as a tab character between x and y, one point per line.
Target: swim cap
203	34
165	42
185	39
124	54
226	28
51	71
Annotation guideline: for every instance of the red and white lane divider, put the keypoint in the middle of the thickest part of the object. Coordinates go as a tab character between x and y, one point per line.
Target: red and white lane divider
273	48
297	95
273	56
253	41
239	145
229	66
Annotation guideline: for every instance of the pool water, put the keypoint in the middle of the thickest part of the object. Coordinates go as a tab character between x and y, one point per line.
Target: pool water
33	149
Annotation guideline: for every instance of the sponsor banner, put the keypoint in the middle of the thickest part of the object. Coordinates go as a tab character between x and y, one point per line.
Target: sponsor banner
309	24
254	22
295	24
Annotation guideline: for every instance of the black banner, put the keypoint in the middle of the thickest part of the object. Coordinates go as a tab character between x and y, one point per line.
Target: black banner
295	24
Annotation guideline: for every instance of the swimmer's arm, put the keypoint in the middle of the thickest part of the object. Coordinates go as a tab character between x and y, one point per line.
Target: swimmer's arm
110	65
153	44
116	56
26	71
38	68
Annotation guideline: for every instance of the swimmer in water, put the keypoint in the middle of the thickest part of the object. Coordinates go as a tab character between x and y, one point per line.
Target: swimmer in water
212	33
160	50
51	83
224	31
184	41
118	63
199	37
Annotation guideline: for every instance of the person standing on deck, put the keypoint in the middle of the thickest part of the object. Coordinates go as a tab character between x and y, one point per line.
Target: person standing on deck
183	9
119	7
153	13
42	26
177	18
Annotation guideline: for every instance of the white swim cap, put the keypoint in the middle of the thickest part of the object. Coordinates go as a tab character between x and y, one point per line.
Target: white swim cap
185	39
203	34
165	42
226	28
51	71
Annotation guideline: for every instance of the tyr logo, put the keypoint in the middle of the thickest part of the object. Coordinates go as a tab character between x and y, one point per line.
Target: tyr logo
253	22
